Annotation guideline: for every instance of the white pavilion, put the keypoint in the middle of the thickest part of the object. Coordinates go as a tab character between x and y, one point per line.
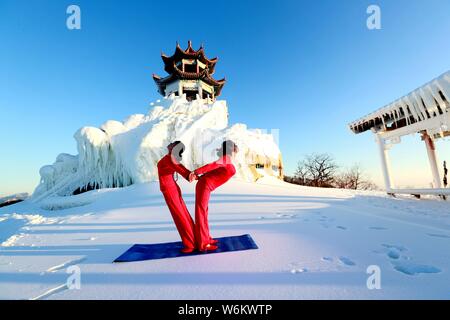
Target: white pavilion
426	111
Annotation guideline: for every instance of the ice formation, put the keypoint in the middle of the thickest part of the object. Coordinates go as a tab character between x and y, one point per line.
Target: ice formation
431	101
122	153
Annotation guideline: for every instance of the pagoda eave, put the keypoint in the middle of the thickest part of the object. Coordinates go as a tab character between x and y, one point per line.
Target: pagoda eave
189	54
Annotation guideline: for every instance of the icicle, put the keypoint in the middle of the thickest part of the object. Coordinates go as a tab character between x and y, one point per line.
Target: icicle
119	154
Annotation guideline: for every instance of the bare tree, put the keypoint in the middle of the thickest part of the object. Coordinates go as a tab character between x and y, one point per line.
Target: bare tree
301	174
321	168
341	180
354	178
316	170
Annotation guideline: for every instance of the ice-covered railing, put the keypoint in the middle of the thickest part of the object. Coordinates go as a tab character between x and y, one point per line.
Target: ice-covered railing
430	100
122	153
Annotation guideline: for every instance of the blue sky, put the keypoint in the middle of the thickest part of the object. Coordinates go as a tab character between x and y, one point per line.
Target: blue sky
306	68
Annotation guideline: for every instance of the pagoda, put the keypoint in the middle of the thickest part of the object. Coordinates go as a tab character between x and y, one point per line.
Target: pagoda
190	73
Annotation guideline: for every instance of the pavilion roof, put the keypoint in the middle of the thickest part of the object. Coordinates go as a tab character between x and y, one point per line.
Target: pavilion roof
189	53
430	101
175	73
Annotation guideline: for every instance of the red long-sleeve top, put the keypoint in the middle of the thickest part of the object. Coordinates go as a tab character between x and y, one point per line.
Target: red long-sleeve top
166	169
217	173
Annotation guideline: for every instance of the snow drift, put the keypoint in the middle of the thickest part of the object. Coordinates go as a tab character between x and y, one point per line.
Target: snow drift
123	153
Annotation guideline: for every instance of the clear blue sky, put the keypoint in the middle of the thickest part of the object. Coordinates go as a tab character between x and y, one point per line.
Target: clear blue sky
304	67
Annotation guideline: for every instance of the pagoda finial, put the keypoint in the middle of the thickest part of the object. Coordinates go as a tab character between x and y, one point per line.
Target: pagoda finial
189	45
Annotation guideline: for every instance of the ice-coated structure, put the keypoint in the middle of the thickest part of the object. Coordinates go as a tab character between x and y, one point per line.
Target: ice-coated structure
123	153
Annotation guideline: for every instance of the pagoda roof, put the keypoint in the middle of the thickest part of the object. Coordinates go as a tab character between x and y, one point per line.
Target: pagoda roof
171	66
188	53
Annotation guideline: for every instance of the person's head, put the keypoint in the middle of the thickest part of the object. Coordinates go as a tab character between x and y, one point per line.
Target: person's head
228	148
176	149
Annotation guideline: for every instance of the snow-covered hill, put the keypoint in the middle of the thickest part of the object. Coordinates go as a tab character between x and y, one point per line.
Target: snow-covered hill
313	244
122	153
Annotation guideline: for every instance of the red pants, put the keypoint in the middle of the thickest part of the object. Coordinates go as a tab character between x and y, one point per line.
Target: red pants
180	215
202	194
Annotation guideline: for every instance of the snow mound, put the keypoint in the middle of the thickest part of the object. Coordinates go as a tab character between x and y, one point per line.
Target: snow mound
119	154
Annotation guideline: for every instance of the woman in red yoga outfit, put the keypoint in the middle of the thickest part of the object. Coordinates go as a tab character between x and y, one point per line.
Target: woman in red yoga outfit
209	178
167	166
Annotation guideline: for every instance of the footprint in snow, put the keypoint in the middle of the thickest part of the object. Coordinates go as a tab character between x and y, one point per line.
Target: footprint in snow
378	228
393	254
436	235
327	259
410	268
342	227
404	264
396	247
346	261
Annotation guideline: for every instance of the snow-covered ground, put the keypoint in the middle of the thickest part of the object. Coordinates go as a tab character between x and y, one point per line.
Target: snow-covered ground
313	244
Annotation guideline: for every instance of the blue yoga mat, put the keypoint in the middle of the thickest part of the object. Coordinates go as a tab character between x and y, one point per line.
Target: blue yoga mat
139	252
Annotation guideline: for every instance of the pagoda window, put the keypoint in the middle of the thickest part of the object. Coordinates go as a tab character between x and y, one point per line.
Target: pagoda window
190	65
190	68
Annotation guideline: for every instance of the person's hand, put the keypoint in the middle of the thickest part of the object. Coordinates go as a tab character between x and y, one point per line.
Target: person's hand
192	176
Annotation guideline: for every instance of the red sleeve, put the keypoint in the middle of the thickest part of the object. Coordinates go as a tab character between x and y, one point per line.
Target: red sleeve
182	170
209	167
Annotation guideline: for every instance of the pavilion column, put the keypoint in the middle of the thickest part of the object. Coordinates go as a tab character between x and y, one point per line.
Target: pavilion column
385	164
180	89
431	151
200	90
